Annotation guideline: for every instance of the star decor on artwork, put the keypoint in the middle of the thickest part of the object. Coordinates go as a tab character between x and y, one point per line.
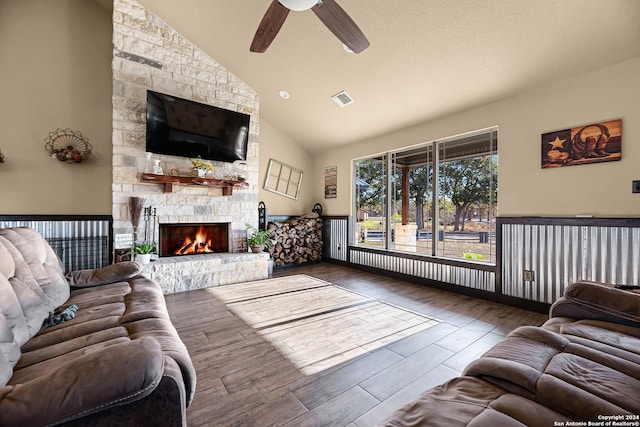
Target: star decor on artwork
557	143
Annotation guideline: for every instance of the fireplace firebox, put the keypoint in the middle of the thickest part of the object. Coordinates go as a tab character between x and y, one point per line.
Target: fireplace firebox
192	239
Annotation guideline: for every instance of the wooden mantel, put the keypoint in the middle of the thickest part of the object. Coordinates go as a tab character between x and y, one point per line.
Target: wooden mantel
227	185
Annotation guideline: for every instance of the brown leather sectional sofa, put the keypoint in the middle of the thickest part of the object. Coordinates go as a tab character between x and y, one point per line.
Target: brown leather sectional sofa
581	368
119	362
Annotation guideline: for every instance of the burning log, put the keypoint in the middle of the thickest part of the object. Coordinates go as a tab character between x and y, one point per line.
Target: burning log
200	244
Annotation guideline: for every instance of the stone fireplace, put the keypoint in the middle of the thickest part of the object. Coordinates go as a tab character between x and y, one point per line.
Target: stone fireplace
193	239
150	55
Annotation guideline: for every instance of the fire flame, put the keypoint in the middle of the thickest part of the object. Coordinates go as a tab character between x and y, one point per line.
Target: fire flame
199	244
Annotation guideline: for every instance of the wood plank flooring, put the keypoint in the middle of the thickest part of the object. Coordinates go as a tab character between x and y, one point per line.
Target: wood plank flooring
316	324
245	380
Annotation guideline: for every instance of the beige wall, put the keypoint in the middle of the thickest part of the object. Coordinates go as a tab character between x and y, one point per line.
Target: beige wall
602	189
55	72
274	144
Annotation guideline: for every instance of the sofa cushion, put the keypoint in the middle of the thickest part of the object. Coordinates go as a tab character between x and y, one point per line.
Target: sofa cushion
7	265
517	362
32	283
9	350
102	276
12	312
85	384
577	381
469	401
44	265
107	316
30	302
609	338
599	301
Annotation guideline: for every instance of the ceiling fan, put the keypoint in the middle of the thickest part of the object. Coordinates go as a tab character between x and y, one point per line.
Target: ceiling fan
329	12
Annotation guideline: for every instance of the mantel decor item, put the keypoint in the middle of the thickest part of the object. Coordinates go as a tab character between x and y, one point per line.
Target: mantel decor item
68	145
593	143
201	167
157	169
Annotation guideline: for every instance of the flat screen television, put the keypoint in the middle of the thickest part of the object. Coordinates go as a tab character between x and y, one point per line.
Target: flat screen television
180	127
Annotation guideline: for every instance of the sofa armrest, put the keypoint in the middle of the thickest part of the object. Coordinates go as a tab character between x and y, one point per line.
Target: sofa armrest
598	301
109	377
103	276
517	362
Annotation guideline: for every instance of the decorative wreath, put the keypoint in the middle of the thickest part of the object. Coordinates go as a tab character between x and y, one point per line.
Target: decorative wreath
68	146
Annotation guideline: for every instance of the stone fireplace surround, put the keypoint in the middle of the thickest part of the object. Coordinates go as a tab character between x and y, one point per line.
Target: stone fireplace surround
149	54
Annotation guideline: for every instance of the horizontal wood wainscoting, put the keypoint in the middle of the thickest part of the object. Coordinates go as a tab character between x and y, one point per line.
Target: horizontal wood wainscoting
557	252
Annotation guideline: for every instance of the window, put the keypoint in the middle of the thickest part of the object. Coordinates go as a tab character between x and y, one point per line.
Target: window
371	200
436	199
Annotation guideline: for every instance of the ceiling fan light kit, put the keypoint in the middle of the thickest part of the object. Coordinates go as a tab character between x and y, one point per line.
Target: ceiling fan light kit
328	11
298	5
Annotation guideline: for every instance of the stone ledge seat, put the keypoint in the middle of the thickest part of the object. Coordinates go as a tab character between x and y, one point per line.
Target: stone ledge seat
119	362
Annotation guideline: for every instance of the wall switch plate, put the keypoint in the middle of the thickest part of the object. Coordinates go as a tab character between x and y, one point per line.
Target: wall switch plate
529	276
635	186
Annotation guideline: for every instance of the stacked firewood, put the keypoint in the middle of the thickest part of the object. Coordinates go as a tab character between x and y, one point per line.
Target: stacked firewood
296	240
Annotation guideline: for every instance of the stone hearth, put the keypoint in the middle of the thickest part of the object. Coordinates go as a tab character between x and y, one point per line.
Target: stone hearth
188	272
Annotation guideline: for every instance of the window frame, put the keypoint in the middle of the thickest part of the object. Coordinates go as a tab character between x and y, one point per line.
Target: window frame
476	144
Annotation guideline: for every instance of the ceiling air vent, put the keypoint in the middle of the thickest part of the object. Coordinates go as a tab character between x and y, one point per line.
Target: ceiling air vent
342	99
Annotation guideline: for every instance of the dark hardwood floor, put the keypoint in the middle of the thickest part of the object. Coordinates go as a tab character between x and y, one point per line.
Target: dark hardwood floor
243	380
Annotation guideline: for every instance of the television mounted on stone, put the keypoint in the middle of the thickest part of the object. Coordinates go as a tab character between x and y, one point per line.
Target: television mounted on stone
185	128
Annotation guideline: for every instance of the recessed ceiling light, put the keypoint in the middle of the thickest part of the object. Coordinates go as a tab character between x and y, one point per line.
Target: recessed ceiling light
283	94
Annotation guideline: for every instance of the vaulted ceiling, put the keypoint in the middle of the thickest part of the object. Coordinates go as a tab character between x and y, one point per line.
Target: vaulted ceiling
427	59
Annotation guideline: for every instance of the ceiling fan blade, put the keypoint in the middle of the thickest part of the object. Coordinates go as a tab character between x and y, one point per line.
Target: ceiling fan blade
269	27
341	25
